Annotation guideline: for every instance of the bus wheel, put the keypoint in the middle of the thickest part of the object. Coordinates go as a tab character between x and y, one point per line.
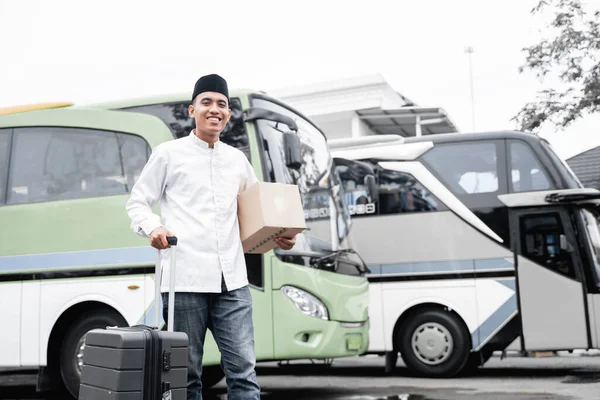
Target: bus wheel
73	344
434	343
211	375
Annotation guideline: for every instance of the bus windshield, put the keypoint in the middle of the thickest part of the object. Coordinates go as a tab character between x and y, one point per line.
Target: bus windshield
568	174
357	194
327	218
590	220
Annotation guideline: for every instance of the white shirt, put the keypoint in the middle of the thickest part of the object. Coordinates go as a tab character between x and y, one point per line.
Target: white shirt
197	188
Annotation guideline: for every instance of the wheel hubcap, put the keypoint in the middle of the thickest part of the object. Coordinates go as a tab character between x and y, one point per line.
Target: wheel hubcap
432	343
79	354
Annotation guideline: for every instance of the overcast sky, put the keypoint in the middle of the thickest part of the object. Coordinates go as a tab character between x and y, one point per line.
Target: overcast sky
84	51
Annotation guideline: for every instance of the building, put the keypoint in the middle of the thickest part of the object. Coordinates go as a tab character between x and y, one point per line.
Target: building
363	106
586	165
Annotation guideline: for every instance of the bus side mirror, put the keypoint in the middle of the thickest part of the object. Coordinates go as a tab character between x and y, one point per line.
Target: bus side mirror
292	147
564	244
371	184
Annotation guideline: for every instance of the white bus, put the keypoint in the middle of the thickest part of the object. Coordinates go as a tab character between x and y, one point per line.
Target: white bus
476	243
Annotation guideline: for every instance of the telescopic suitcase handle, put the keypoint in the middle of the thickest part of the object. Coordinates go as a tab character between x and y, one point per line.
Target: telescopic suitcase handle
172	240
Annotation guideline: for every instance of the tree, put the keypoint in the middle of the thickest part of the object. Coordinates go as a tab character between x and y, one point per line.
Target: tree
571	53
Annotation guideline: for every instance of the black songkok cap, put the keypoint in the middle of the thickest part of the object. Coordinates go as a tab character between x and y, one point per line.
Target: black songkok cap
211	83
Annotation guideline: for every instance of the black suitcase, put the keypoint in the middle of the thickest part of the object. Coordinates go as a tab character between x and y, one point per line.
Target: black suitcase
138	362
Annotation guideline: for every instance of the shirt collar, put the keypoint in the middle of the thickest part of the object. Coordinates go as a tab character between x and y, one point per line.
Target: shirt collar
201	143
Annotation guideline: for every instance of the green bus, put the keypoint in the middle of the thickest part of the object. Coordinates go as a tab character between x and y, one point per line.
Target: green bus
69	262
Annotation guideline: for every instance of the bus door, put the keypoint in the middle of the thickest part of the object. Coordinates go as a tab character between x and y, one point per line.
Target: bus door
589	241
552	295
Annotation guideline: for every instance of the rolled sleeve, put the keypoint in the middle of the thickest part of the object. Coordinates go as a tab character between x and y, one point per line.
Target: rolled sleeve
250	178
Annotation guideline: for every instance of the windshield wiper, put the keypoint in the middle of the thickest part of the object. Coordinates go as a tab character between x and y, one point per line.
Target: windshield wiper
331	262
573	195
316	260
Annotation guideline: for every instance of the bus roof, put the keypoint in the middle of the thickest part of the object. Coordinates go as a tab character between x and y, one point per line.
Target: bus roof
463	137
156	99
179	97
387	140
385	151
170	98
394	147
33	107
371	140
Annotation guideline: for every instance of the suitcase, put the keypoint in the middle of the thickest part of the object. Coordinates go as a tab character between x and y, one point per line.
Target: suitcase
138	362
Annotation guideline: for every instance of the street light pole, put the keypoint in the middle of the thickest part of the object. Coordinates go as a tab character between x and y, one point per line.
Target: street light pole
469	50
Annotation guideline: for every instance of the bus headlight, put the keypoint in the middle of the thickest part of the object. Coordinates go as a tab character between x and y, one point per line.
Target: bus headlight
306	302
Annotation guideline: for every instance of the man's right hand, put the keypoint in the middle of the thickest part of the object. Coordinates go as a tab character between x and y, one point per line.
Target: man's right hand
158	238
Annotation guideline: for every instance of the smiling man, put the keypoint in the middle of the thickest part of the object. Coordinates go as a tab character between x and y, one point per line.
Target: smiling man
197	179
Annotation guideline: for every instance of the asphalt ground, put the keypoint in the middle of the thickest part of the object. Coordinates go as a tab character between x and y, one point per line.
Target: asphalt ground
363	378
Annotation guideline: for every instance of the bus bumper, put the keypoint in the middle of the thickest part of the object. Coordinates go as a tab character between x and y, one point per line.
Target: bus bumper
297	335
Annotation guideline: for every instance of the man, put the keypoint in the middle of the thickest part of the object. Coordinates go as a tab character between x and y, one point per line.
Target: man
197	180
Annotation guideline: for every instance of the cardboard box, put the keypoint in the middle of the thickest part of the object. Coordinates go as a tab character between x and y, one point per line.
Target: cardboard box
267	210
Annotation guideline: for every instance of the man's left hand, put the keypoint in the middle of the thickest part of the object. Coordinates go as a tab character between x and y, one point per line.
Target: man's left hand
285	243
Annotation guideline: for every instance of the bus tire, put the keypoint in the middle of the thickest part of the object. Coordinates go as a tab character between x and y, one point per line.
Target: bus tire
434	343
211	375
71	345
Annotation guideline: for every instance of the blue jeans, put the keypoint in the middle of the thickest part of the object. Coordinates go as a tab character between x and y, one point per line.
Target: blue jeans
229	317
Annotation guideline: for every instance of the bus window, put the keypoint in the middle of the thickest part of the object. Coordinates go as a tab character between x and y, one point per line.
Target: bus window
466	168
526	172
4	149
135	152
175	115
540	242
357	195
178	119
400	192
49	164
321	207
